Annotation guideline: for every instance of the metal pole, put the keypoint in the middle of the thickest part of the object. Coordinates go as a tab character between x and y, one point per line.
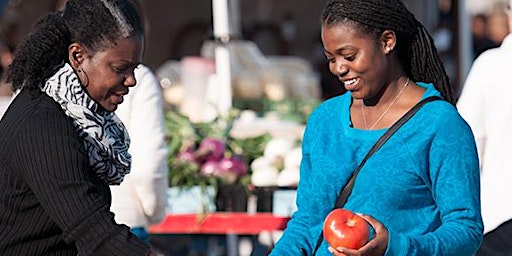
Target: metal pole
232	244
465	43
222	30
235	21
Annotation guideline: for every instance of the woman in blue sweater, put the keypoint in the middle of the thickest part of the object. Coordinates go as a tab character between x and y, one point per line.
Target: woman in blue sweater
420	191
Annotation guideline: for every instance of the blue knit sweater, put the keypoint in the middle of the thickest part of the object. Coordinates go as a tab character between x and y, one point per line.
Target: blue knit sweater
423	184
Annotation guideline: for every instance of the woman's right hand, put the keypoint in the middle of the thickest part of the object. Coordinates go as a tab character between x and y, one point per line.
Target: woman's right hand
376	246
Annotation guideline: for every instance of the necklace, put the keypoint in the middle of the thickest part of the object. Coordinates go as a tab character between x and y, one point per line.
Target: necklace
385	111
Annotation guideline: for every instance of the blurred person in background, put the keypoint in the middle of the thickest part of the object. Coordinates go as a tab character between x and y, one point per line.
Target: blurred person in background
481	42
8	41
6	55
5	88
497	26
485	104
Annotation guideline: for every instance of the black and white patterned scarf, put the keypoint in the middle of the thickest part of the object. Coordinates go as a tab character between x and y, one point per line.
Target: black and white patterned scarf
106	139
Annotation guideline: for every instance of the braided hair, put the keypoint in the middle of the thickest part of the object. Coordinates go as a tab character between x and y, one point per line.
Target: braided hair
95	24
415	47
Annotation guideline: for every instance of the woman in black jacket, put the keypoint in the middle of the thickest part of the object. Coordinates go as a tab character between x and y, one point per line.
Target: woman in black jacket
61	145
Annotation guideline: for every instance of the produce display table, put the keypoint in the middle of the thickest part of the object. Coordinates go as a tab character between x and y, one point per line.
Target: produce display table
230	224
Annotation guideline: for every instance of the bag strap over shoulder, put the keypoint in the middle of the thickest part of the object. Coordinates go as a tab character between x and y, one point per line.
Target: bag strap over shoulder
347	190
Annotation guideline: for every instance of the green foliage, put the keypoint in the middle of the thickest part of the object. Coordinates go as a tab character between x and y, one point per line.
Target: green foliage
182	135
291	109
250	148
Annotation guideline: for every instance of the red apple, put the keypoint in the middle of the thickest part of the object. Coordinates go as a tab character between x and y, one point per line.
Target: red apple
343	228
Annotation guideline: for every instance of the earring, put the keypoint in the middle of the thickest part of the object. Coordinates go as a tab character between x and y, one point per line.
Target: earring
388	49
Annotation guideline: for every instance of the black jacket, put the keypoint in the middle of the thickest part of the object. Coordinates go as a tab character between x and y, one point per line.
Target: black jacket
51	202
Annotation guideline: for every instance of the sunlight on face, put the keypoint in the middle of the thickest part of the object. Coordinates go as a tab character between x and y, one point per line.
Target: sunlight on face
355	59
110	72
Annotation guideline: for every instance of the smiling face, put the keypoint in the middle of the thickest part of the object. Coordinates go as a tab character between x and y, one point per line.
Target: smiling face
108	74
357	59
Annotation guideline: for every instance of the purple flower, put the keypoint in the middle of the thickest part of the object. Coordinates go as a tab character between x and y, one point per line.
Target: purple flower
211	149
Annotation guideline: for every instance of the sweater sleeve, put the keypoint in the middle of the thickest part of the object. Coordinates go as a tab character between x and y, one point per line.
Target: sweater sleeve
455	184
297	234
69	191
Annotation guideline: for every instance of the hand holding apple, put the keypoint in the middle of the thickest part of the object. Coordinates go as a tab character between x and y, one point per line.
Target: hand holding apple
343	228
376	246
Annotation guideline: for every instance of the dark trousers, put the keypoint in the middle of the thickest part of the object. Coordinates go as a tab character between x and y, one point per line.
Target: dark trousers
497	242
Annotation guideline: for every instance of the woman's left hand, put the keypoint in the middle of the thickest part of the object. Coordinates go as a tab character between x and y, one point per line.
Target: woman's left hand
376	246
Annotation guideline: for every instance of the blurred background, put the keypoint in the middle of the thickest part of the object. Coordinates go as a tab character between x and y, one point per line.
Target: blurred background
179	28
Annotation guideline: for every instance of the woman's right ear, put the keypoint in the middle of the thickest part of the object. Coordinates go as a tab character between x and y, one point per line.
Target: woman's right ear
75	55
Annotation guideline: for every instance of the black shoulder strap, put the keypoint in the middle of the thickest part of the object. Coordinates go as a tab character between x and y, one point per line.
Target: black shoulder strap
347	190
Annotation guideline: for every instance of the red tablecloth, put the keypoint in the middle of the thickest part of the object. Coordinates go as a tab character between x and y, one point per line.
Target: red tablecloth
220	223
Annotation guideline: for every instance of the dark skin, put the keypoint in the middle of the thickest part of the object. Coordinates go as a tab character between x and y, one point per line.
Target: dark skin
371	71
107	75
